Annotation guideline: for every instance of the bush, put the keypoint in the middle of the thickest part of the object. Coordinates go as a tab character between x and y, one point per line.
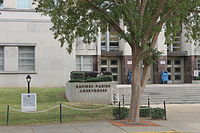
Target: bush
197	78
145	111
104	78
157	113
106	73
91	74
77	75
154	113
123	112
76	80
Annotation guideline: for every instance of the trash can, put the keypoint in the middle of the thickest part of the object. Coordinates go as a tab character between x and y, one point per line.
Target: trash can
164	77
129	77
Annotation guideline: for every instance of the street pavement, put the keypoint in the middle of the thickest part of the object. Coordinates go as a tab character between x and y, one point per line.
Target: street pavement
180	118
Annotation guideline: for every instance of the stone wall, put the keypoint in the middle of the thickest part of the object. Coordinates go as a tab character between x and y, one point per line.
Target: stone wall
90	92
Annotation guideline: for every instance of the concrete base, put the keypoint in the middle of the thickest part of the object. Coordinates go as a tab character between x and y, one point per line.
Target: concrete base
90	92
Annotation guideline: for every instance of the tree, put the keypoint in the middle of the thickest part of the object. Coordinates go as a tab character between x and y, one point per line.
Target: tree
142	19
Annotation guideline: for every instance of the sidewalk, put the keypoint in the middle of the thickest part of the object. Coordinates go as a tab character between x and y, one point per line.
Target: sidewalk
86	127
181	117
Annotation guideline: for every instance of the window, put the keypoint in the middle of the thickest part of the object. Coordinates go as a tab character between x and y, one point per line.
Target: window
176	45
110	41
1	59
1	3
84	63
23	4
26	58
114	41
103	42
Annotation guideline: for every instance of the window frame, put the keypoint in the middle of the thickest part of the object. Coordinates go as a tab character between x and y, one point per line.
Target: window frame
108	39
80	61
18	45
33	58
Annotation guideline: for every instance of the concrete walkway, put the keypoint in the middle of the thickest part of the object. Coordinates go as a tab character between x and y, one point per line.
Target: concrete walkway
182	117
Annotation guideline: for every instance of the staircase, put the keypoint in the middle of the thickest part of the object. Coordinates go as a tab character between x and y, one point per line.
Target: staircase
157	93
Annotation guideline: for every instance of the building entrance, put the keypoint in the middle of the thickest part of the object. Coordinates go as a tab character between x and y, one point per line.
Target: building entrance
112	65
175	68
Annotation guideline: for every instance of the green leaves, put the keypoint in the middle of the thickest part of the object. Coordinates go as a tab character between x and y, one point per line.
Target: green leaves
83	18
150	56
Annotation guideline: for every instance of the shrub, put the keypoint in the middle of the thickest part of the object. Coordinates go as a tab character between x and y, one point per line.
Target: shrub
91	74
123	112
145	111
104	78
157	113
106	73
197	78
76	80
77	75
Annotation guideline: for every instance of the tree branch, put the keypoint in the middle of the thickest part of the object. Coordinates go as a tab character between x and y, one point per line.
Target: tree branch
168	14
112	21
143	6
144	75
154	21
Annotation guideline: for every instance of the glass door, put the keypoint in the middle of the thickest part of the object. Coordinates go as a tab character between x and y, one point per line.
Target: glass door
175	68
112	65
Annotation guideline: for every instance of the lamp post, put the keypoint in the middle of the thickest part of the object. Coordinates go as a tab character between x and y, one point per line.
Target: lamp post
28	79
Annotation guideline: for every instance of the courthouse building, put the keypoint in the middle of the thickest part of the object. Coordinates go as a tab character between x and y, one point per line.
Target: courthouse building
27	47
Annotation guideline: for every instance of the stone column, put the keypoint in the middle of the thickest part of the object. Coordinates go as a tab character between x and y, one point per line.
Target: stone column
158	67
189	65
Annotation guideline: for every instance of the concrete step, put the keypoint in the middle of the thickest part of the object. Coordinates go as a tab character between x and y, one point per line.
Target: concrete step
170	93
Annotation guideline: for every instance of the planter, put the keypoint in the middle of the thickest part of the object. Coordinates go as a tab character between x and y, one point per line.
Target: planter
90	92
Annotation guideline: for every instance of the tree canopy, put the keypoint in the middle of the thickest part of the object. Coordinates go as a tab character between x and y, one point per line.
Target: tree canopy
143	18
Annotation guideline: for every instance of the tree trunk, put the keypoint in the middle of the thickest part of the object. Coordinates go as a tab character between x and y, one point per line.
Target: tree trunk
136	88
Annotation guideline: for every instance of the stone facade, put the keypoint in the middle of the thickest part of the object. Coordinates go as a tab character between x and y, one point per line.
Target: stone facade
52	64
189	67
158	67
126	67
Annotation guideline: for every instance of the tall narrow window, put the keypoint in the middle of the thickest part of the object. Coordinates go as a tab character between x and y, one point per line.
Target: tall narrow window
176	44
110	41
84	63
1	59
87	63
78	63
114	41
26	58
103	42
23	4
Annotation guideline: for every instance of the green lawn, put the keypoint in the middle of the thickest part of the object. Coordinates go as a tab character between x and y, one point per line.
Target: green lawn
46	98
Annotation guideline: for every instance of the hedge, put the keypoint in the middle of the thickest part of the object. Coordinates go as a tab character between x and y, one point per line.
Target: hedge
89	76
154	113
77	75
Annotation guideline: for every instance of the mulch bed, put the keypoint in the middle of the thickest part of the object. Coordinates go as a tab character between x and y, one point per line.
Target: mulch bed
126	123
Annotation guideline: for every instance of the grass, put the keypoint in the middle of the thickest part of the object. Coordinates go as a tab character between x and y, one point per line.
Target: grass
46	98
